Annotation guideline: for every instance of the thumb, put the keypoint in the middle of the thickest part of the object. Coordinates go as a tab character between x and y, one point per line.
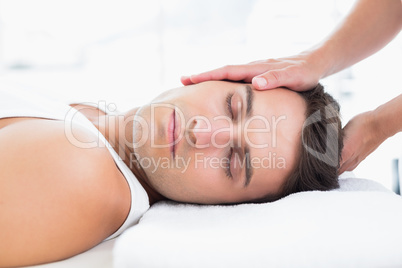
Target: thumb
269	80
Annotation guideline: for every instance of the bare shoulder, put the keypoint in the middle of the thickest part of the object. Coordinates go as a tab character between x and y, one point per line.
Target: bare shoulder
48	143
57	199
91	112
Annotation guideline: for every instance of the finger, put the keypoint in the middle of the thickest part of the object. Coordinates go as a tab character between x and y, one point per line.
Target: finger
217	74
346	155
260	82
272	79
228	72
344	167
291	77
348	152
271	61
341	170
350	165
185	80
346	158
244	73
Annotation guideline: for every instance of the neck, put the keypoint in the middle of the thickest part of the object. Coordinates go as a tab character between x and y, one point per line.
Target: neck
118	131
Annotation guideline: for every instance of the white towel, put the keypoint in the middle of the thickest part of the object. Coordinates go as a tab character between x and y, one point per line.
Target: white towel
359	225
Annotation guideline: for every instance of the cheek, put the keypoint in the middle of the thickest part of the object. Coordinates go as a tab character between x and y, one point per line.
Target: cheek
198	171
208	181
199	182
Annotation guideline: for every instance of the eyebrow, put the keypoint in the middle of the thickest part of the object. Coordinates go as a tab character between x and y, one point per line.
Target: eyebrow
249	169
249	110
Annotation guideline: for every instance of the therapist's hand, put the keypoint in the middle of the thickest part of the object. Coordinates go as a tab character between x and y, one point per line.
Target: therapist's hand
300	73
362	137
366	131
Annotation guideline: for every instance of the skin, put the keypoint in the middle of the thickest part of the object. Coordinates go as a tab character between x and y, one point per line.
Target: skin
51	211
368	130
368	27
54	195
210	185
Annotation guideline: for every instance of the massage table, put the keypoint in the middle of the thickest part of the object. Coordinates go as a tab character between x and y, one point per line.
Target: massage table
358	225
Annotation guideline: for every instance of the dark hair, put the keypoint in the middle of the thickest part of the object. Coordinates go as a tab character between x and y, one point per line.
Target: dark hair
320	148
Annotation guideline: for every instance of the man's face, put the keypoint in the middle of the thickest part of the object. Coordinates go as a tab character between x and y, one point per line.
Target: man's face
219	142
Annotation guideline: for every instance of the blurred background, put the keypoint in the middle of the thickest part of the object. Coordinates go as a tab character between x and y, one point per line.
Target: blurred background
126	52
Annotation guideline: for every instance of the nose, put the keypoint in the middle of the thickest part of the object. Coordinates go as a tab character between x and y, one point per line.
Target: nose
204	133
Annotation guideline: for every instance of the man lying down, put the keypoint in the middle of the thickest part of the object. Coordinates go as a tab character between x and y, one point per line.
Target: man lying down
64	188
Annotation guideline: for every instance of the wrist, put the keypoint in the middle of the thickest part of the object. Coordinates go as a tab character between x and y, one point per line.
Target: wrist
379	125
319	58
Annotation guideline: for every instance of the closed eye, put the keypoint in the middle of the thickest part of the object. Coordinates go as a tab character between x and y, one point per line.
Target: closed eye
229	104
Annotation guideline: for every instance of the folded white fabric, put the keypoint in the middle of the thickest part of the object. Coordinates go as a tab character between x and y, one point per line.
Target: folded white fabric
359	225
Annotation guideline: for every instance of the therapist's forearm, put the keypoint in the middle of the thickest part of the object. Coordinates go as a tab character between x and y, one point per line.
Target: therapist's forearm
388	118
370	25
